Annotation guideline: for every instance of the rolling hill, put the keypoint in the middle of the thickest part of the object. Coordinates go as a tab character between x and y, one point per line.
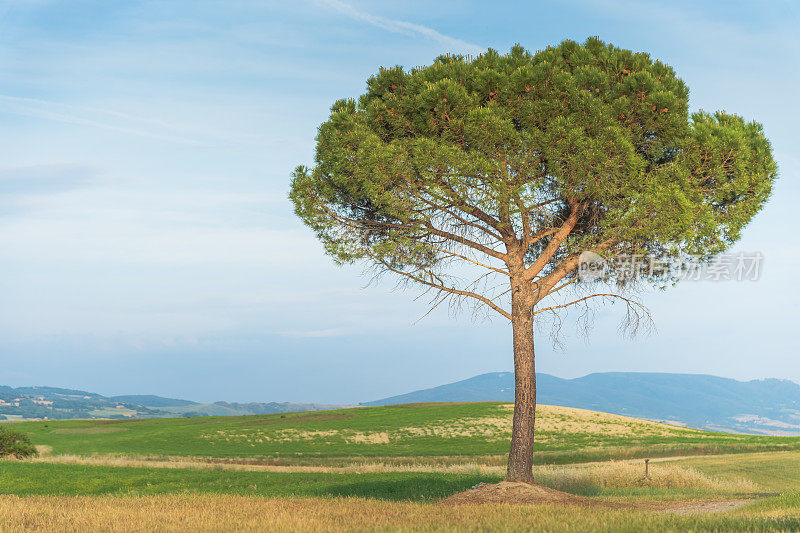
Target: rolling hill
768	406
36	403
411	431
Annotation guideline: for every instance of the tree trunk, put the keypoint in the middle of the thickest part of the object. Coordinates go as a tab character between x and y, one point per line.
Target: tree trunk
520	457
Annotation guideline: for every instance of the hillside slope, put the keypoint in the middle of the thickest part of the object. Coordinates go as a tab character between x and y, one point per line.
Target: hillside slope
769	406
411	431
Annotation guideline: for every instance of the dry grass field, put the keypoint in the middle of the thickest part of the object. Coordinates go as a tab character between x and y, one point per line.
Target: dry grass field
237	513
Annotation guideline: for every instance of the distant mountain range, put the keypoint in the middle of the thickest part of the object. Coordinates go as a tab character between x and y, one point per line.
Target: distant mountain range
767	406
53	403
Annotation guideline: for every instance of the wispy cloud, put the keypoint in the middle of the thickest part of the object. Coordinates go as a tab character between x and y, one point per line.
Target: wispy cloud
107	119
403	27
87	116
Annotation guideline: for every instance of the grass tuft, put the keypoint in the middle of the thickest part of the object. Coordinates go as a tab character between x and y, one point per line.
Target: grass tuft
591	479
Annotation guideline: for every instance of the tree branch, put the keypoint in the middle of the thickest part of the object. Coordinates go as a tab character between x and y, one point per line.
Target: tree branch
603	295
551	248
451	290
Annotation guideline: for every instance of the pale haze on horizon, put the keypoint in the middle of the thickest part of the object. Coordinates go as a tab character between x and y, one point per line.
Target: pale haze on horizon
147	245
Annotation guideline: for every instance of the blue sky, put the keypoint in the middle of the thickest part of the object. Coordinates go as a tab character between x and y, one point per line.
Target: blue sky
147	244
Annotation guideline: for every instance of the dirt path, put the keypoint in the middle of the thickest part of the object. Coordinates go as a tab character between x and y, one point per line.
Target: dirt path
199	463
705	507
523	493
666	459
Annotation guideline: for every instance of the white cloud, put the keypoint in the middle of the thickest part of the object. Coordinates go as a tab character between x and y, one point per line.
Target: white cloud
403	27
77	115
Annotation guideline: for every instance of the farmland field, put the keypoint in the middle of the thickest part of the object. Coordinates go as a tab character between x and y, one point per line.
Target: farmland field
388	467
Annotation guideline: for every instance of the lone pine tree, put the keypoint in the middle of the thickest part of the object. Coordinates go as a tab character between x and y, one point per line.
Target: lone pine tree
513	165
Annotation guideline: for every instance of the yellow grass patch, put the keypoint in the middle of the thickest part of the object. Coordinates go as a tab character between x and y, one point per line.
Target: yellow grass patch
225	513
557	419
370	438
551	420
295	435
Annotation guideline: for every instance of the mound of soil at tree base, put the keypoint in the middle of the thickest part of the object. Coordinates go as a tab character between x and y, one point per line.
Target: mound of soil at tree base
529	493
516	492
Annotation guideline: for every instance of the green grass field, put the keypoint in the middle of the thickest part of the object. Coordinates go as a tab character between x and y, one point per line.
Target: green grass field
406	431
387	467
775	472
26	479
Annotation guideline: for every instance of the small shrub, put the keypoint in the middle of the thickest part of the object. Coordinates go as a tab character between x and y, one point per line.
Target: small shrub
15	443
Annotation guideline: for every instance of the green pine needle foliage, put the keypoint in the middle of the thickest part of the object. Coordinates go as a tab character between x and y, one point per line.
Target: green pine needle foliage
490	147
